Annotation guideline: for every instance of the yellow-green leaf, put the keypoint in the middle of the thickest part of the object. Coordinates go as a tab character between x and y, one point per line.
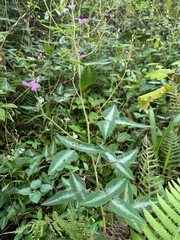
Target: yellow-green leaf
159	74
144	100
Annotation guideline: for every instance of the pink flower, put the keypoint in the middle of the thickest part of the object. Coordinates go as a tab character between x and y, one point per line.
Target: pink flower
70	54
67	119
82	20
31	84
84	178
81	55
72	6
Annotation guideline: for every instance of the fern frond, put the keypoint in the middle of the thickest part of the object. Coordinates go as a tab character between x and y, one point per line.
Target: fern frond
170	212
173	201
149	181
174	96
148	232
157	226
174	192
177	187
170	155
163	218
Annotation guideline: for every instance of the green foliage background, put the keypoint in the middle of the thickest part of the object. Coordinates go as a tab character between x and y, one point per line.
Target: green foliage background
83	132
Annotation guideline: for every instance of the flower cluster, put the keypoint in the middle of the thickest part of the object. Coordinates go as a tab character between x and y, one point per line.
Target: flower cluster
73	53
82	20
33	85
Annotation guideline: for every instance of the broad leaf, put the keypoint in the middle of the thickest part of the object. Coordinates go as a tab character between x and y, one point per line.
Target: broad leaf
84	147
128	157
45	188
95	199
61	159
36	184
106	128
144	100
78	186
116	186
35	196
159	74
124	210
127	121
60	197
120	167
88	77
25	191
111	113
143	202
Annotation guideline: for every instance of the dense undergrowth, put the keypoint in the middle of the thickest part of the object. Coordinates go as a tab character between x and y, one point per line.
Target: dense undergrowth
89	117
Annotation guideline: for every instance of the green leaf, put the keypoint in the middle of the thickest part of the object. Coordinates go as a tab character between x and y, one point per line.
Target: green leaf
2	114
8	105
47	48
120	167
36	184
159	74
78	186
45	188
111	113
97	63
35	197
88	77
125	210
127	121
95	199
172	124
60	197
106	128
128	157
116	186
84	147
61	159
143	202
25	191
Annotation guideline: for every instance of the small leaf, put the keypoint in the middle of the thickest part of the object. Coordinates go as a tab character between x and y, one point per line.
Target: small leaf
127	121
106	128
2	114
25	191
128	157
159	74
111	113
120	167
88	77
125	210
45	188
78	186
95	199
116	186
60	197
61	159
144	100
9	105
35	197
36	184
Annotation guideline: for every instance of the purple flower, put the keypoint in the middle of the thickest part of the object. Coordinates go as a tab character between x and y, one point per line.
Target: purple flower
31	84
67	119
70	54
82	20
84	178
81	55
72	6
